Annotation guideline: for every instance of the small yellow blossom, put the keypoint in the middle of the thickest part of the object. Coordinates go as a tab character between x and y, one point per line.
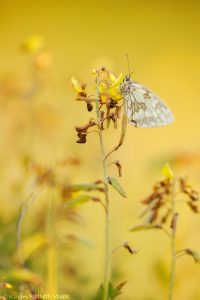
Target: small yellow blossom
94	71
8	285
33	44
167	171
115	93
103	98
102	87
5	285
117	81
76	85
112	77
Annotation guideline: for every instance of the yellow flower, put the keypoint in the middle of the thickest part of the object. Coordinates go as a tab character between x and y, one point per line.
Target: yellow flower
5	285
33	44
117	80
167	171
115	93
76	85
103	97
112	77
102	87
94	71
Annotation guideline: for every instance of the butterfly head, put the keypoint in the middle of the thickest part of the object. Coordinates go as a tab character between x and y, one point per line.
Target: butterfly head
126	84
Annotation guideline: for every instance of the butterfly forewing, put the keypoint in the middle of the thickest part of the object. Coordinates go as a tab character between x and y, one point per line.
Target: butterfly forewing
143	107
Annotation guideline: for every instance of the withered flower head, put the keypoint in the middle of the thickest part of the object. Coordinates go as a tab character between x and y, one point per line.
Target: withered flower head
44	175
108	98
162	194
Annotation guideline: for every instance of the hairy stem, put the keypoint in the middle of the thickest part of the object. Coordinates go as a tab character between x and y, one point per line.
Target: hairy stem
173	244
107	202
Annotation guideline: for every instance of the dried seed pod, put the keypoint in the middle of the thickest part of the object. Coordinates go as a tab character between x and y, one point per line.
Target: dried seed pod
149	199
119	167
193	207
153	216
102	113
158	204
127	247
82	137
187	189
165	217
89	106
194	195
174	222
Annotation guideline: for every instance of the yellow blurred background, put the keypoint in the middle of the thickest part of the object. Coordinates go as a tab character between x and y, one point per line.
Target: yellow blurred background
162	39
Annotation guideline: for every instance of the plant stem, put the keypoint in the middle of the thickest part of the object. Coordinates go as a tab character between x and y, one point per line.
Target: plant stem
107	270
173	244
52	251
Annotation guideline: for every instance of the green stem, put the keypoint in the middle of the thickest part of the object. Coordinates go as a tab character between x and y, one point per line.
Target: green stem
173	247
107	270
52	251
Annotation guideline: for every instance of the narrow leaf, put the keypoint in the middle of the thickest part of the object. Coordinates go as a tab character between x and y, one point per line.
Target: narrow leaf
20	275
85	187
100	292
115	291
145	227
194	254
116	185
80	199
121	285
33	244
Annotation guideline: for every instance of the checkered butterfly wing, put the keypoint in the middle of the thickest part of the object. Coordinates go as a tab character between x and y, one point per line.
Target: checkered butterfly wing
143	107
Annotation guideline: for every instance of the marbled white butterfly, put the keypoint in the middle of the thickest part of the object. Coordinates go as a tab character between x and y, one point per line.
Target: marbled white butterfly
143	107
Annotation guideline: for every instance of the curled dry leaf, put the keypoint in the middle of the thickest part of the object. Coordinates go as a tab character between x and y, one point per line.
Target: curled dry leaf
194	254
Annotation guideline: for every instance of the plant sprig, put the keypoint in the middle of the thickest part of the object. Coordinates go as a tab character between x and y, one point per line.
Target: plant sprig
108	103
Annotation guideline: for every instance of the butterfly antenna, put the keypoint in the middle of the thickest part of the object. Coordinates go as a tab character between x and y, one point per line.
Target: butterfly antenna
129	70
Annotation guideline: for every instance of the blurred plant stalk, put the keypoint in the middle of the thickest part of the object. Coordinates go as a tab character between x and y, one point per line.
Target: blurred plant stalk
173	241
107	266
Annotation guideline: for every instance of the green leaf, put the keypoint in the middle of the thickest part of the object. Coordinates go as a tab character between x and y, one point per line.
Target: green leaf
33	244
84	187
99	295
145	227
113	292
116	185
21	274
80	199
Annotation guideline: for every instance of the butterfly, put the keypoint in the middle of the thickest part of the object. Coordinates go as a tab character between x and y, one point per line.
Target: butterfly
143	107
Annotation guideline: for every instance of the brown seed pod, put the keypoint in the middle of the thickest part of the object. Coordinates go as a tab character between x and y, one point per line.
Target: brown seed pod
193	207
89	106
